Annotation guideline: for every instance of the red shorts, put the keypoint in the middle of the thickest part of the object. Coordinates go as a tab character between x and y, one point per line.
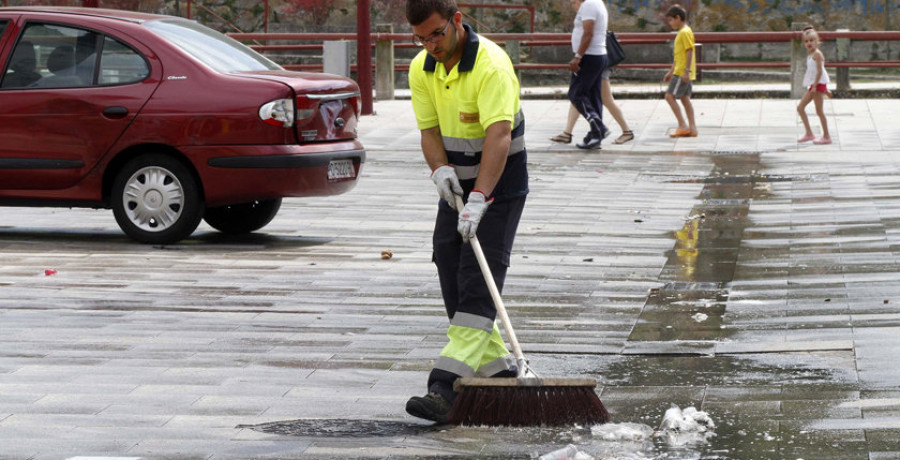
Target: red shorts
821	87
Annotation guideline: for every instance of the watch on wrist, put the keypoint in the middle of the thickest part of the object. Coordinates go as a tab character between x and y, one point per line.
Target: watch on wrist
577	56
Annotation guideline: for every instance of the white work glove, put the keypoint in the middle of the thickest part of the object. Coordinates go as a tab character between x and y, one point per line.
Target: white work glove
447	183
471	215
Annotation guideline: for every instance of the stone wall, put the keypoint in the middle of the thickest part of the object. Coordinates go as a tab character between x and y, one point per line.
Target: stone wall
637	16
778	15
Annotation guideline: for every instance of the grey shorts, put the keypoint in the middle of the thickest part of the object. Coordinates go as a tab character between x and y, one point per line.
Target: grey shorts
678	88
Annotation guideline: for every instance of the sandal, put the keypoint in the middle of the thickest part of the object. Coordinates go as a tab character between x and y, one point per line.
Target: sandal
625	137
564	138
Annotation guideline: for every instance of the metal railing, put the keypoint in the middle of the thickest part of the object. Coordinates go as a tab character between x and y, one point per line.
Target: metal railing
796	64
560	39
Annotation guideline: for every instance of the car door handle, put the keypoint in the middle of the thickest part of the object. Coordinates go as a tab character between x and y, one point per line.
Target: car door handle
115	111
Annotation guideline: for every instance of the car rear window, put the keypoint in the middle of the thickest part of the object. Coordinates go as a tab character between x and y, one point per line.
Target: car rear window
214	49
120	64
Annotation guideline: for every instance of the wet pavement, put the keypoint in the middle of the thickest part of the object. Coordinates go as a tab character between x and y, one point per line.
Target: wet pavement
738	272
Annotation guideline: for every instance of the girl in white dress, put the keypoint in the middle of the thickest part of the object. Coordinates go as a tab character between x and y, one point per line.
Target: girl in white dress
816	81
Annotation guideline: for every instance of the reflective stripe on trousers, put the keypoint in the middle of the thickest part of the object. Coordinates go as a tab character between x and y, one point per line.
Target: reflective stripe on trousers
472	350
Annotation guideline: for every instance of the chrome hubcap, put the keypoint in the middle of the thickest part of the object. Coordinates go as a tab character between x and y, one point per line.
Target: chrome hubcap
153	199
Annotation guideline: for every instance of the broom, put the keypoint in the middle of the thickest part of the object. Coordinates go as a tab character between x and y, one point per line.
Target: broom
526	400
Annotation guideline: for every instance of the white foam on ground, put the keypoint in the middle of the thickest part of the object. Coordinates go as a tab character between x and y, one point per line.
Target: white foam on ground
622	432
689	426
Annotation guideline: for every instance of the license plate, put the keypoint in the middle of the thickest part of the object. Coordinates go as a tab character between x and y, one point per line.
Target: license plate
341	169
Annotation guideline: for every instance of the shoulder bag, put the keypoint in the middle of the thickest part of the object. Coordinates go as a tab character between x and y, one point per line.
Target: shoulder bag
614	51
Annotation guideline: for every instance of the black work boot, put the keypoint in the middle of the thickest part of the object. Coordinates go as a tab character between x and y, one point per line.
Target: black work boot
430	407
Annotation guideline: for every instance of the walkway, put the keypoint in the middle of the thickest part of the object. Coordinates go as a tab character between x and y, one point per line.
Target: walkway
737	272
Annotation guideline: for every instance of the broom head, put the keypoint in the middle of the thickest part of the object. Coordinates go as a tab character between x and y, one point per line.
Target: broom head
527	402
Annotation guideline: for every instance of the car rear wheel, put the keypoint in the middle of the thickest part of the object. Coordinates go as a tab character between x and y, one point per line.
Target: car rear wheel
242	218
156	200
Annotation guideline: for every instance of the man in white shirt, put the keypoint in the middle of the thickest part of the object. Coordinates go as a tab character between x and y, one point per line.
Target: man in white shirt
587	66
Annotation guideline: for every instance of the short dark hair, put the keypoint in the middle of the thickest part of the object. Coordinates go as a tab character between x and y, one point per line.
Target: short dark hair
677	11
418	11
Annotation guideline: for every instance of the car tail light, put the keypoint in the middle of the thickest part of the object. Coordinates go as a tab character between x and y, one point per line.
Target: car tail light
306	109
279	112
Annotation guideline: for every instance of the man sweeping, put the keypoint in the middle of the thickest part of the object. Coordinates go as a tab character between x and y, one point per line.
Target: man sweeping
465	95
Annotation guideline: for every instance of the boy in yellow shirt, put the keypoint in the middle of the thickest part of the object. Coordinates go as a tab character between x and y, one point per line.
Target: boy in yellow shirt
684	68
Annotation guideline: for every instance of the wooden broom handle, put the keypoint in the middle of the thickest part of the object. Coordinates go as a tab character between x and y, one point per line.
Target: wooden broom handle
495	294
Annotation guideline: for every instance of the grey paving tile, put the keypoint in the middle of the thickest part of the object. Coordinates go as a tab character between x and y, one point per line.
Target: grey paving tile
788	347
255	330
745	393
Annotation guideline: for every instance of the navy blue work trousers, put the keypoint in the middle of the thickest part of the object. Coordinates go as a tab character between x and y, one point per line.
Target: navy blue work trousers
462	284
585	91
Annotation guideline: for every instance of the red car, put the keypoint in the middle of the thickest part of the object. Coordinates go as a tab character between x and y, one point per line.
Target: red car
165	121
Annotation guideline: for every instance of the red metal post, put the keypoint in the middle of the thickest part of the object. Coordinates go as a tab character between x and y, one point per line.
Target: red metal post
266	19
364	55
90	3
189	4
531	11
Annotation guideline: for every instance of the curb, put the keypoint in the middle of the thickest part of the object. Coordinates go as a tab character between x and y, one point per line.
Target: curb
700	93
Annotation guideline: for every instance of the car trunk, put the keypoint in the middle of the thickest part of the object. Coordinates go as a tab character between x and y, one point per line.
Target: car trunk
326	106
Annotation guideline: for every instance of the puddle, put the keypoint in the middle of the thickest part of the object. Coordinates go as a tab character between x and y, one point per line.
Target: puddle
745	394
703	260
726	179
759	369
655	437
342	428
